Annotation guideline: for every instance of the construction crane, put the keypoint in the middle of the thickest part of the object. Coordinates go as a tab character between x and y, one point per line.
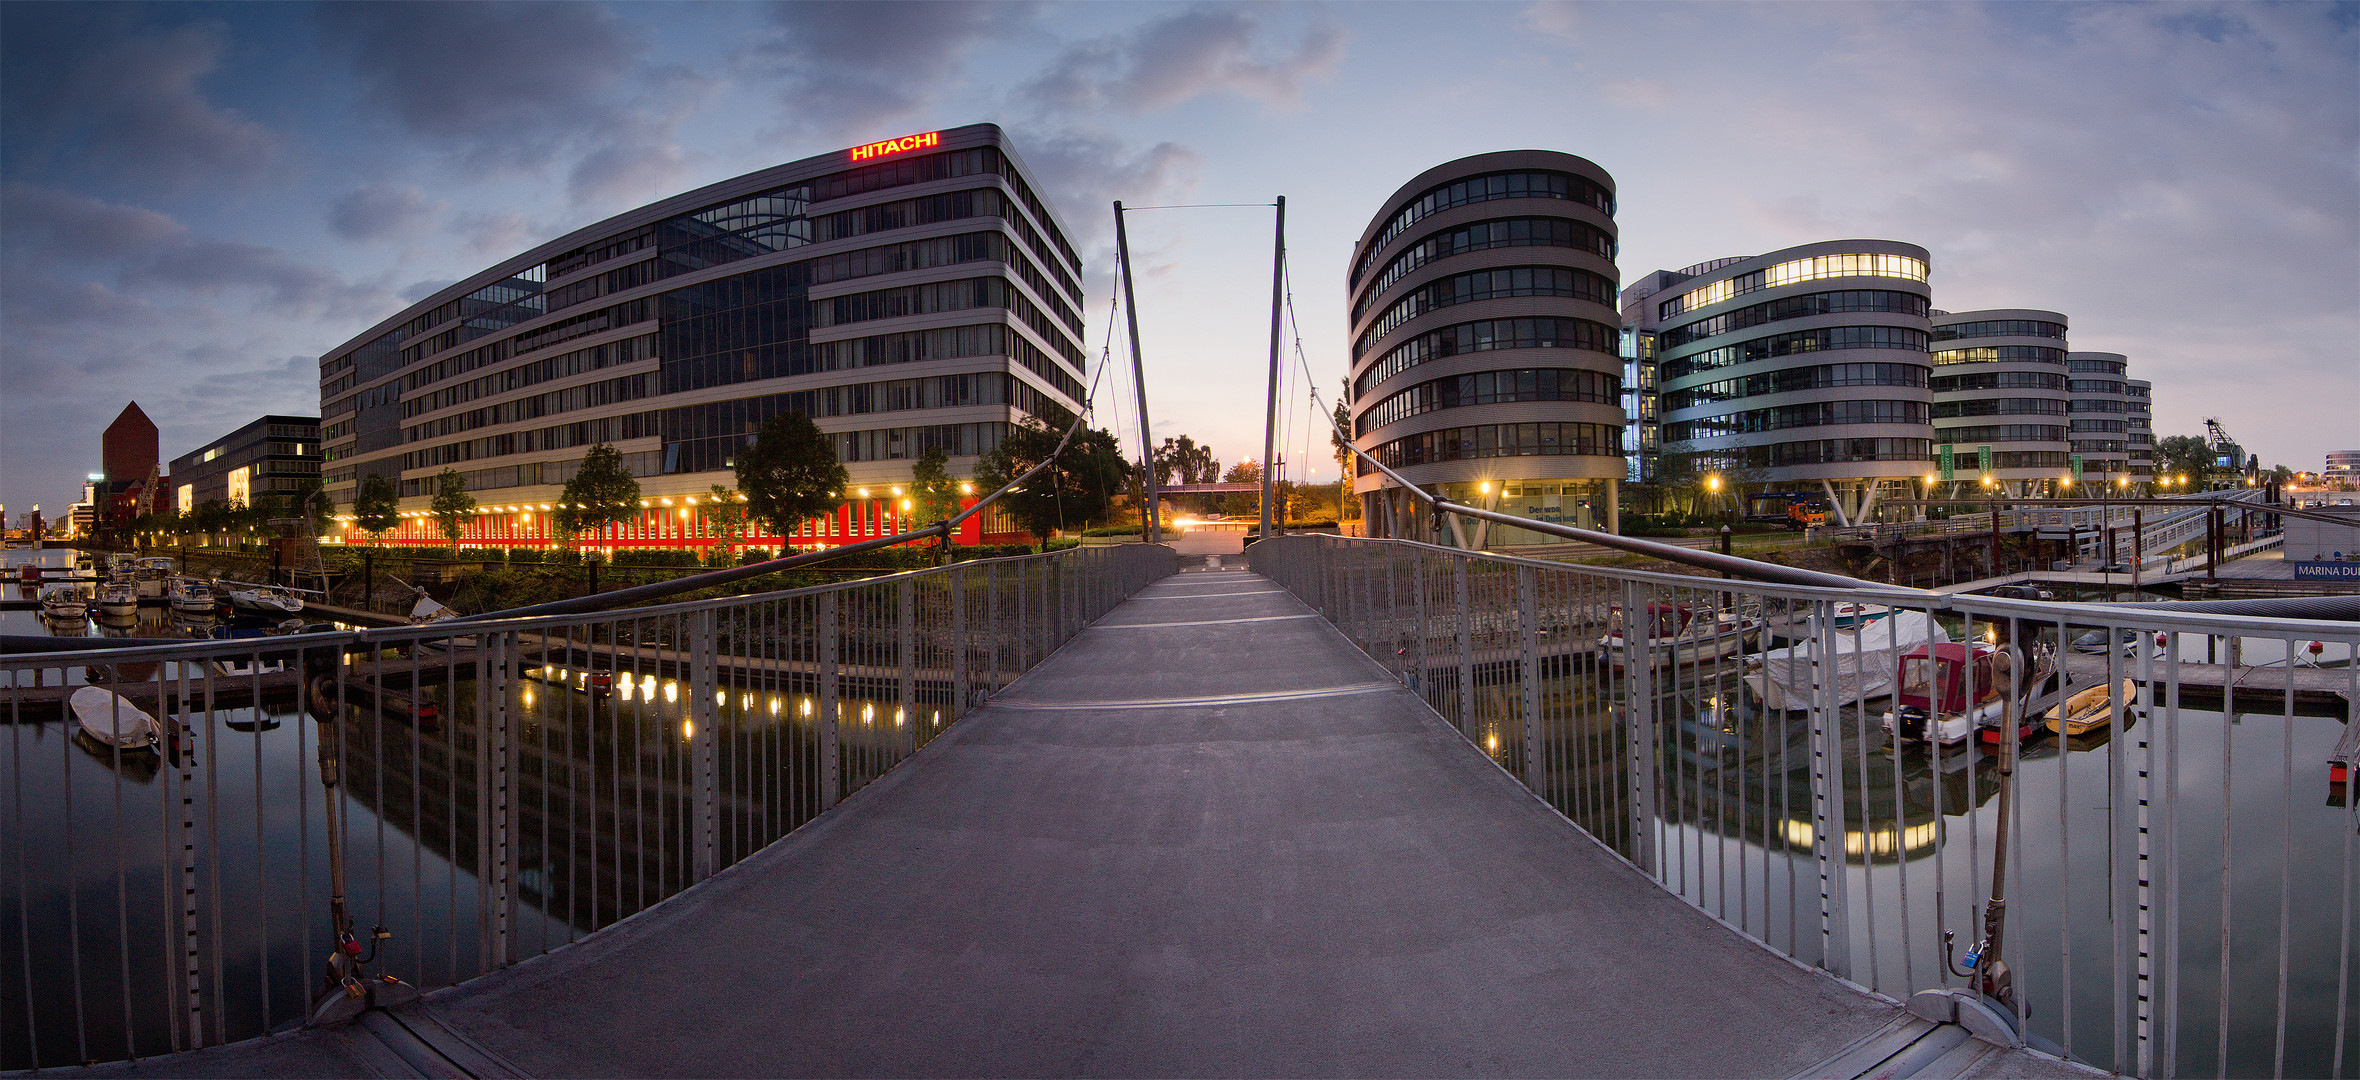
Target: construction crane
2226	454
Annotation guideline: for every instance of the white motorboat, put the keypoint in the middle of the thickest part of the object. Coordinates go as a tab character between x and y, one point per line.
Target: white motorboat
1950	691
119	598
189	595
266	599
1861	669
64	603
1682	635
151	574
113	720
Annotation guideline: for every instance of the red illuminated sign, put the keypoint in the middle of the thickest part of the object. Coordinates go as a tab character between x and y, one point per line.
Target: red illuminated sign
906	143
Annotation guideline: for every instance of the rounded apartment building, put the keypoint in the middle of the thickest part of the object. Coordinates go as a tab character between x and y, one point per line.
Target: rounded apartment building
1484	345
2140	422
2000	384
905	295
2100	428
1800	371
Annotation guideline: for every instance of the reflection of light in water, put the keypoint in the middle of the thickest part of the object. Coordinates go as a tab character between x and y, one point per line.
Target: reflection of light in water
774	706
806	706
938	718
647	687
746	701
897	718
688	729
671	690
625	688
1879	841
868	713
1491	742
528	695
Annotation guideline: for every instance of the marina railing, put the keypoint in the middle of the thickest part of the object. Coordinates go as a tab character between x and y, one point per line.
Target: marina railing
2178	891
472	793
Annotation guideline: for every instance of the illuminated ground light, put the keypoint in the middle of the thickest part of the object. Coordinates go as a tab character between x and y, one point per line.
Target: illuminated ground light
688	729
1491	742
806	706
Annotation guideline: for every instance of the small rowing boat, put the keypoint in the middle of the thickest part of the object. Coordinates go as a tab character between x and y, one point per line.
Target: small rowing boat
2091	708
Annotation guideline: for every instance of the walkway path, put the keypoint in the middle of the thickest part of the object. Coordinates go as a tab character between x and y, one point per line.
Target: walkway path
1206	838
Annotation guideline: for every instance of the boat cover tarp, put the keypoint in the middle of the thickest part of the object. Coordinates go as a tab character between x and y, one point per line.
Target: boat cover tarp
1866	658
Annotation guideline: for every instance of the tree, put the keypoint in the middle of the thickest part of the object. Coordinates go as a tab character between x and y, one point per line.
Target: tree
1181	456
1347	507
2183	455
453	507
790	475
931	485
1077	489
725	512
310	500
1243	502
602	491
376	507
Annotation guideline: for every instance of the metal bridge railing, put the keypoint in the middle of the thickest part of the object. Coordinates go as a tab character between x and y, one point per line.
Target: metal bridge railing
2177	885
480	791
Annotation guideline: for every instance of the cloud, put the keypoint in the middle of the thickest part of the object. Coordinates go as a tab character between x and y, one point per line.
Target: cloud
497	234
499	85
1199	51
851	64
88	91
1084	172
382	211
47	233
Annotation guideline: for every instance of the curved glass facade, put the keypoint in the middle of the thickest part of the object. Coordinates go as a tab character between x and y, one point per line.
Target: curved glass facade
2003	386
772	288
1529	293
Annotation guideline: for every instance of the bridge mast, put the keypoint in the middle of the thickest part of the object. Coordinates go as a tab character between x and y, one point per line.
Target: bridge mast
1278	262
1149	529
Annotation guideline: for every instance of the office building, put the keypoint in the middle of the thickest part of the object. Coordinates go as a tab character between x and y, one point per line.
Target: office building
1800	372
2100	418
2139	423
2001	394
272	456
907	294
1485	359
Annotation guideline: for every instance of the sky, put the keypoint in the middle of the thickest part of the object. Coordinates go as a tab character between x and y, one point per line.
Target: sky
197	200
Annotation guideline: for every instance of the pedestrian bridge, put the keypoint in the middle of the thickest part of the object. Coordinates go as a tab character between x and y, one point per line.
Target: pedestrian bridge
1361	808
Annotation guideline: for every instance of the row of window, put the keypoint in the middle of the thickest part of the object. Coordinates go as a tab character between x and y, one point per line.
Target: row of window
2106	367
1822	452
596	285
1486	335
2080	426
2084	405
548	368
1481	236
1500	440
606	429
1843	301
2000	407
1806	414
644	463
1801	341
1793	271
2001	354
1474	189
2100	446
714	453
1492	387
1467	288
1789	380
1999	328
942	251
1999	433
536	406
2098	386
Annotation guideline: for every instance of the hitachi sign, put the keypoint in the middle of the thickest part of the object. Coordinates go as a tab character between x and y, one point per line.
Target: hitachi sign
877	150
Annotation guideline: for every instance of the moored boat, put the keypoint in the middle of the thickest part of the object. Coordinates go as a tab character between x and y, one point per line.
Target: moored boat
113	720
1947	692
2093	707
264	599
1861	667
64	603
189	595
118	597
1681	634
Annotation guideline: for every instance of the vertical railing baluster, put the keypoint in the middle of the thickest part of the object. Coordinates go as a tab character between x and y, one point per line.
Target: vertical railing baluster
1529	675
1827	801
1463	619
905	633
831	776
1639	734
705	743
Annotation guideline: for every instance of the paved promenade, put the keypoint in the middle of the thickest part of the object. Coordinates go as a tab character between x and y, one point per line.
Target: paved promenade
1207	838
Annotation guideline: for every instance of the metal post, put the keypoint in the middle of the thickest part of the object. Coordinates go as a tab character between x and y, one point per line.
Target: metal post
1417	558
703	686
905	642
958	640
2212	543
1638	686
1827	796
1466	629
497	768
831	779
1529	671
1278	262
1153	531
2138	546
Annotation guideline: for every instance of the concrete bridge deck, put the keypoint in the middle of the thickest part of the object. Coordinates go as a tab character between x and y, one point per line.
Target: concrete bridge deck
1205	838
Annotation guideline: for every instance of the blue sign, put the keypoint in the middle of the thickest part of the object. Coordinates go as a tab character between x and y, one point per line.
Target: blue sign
2327	571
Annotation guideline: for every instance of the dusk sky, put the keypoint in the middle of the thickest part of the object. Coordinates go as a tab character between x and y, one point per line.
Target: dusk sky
197	200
